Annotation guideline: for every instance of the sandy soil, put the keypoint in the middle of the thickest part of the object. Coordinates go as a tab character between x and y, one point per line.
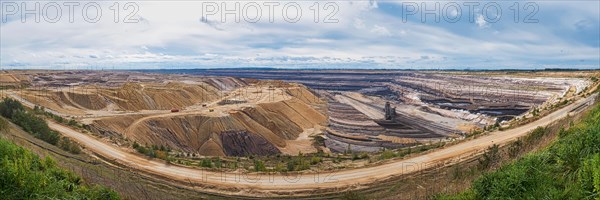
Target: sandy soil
303	143
8	78
363	108
268	184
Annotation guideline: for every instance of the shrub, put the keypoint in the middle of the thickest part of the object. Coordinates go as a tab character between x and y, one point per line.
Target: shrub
387	154
218	163
291	165
135	145
26	176
315	160
31	123
9	106
142	150
568	169
515	148
259	166
206	163
490	157
70	146
161	155
73	123
536	134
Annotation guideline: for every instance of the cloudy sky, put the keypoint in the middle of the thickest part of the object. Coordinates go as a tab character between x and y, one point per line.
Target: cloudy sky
345	34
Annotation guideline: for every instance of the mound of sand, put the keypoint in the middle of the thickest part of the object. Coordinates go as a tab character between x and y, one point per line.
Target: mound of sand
128	97
8	78
136	96
260	129
84	101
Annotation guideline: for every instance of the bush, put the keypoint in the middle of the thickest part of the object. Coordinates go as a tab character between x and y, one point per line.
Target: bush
568	169
357	156
206	163
161	155
315	160
387	154
25	176
259	166
70	146
218	163
490	157
291	165
535	135
515	148
9	106
279	167
141	149
31	123
73	123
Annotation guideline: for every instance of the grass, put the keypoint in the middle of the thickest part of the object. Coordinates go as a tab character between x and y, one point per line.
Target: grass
35	125
23	175
568	169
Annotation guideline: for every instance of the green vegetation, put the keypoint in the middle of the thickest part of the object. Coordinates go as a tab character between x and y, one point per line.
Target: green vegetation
23	175
400	153
277	163
35	125
206	163
297	163
285	163
218	163
68	145
154	151
3	124
31	123
316	160
259	166
568	169
387	154
490	157
560	104
535	112
353	196
70	122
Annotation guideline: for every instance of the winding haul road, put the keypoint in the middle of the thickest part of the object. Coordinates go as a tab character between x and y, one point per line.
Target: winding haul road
273	183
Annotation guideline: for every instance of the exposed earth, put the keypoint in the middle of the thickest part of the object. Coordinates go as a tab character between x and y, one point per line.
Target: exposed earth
255	113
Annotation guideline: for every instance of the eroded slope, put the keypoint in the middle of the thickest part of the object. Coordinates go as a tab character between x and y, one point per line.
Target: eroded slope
258	126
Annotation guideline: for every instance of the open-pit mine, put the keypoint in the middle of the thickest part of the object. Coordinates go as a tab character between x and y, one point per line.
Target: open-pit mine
270	113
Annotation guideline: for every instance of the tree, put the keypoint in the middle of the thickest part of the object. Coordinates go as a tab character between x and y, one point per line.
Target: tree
206	163
9	106
70	146
218	163
291	165
259	166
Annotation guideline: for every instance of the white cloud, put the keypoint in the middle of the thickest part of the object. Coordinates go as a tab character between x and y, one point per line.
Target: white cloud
453	13
480	21
359	24
174	35
380	30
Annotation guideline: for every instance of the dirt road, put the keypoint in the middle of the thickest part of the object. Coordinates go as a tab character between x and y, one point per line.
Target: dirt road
274	183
